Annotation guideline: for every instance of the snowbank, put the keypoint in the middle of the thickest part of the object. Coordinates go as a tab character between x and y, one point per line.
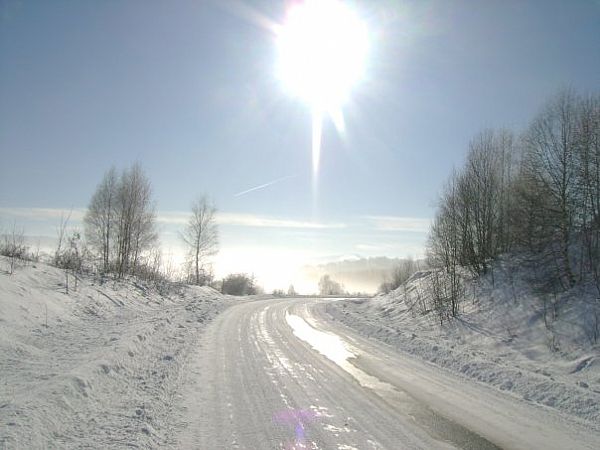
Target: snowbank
522	342
99	367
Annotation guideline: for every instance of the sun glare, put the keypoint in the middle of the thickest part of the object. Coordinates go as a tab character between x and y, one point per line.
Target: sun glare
322	51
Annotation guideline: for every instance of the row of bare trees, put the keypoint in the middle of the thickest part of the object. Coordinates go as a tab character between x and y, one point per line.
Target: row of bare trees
399	275
471	226
559	188
538	192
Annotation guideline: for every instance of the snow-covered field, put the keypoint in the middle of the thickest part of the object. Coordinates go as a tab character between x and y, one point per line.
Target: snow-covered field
100	367
503	337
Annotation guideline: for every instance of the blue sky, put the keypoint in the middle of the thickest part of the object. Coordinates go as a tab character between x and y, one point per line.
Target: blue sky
188	88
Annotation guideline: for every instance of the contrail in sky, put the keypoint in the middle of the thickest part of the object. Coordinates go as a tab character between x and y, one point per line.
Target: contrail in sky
256	188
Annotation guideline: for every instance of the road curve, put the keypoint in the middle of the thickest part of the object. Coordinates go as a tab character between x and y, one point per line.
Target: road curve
277	374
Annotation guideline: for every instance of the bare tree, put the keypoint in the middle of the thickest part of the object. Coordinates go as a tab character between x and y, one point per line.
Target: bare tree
399	275
291	292
446	241
136	219
13	246
120	224
71	259
550	165
508	159
61	231
99	219
588	183
201	237
482	199
328	286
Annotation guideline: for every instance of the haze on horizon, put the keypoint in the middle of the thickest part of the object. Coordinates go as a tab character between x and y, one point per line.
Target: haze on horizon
192	91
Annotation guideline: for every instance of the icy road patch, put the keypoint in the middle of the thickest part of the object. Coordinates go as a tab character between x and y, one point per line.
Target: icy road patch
337	350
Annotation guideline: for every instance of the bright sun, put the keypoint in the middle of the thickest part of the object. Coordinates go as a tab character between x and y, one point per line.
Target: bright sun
322	48
322	51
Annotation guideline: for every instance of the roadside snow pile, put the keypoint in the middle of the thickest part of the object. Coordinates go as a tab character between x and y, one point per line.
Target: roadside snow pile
99	367
539	347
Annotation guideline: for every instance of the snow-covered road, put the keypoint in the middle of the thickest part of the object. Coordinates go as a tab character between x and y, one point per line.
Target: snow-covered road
279	373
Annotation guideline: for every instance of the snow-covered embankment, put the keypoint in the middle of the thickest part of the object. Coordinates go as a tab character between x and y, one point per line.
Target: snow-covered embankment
99	367
504	337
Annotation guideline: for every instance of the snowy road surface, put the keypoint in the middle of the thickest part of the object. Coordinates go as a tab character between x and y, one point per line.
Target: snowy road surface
277	374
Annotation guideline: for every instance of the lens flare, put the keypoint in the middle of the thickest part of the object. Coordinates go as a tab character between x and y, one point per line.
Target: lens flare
317	126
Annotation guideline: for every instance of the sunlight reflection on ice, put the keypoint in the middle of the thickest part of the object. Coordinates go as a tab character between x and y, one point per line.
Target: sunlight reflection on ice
327	344
335	349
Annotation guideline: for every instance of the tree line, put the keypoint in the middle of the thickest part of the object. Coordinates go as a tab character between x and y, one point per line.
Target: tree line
537	193
120	238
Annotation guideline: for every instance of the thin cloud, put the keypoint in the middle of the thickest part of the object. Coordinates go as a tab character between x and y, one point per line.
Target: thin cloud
39	214
370	247
248	220
251	220
171	218
394	223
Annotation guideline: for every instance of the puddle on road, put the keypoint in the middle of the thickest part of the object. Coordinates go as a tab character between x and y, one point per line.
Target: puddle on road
334	348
